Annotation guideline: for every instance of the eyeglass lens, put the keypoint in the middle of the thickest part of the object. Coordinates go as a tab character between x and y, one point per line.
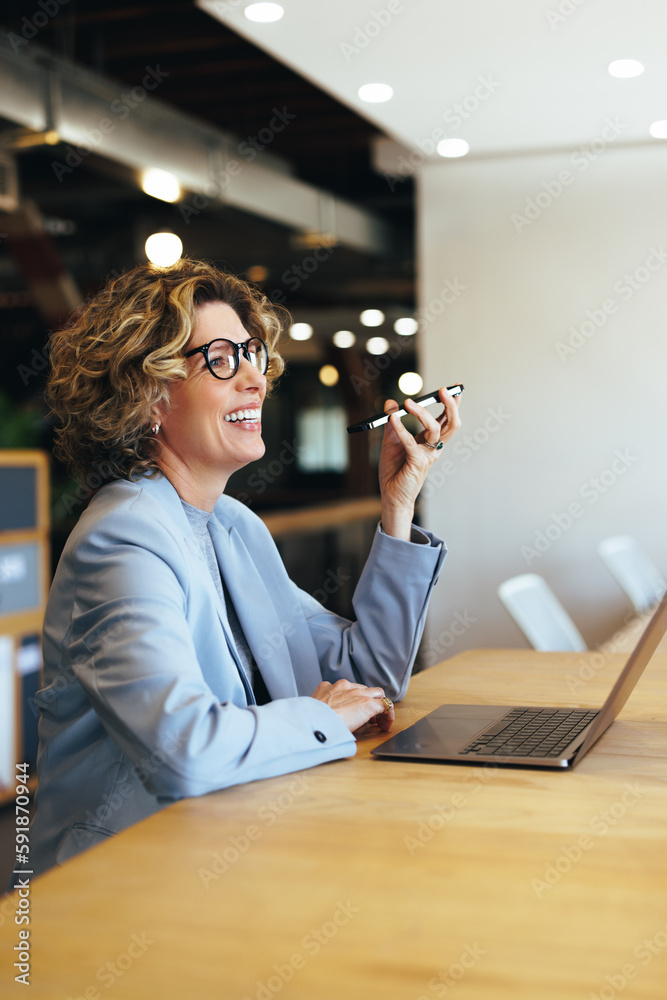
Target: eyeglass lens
222	356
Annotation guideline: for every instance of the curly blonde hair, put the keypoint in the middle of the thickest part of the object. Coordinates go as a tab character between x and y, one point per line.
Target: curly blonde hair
114	361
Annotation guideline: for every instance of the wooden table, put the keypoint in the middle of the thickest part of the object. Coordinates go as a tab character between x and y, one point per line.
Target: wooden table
363	879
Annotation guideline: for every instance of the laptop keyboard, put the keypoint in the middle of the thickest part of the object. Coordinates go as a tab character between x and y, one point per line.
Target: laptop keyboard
531	732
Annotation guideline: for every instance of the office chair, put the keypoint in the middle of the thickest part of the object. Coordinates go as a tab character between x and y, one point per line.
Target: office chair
633	569
539	614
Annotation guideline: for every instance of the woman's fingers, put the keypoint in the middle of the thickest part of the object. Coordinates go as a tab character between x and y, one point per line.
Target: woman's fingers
356	704
386	719
344	684
403	434
437	429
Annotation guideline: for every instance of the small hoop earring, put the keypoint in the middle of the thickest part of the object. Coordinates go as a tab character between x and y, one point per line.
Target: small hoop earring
155	428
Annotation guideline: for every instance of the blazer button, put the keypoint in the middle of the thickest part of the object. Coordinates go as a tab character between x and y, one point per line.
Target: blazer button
320	736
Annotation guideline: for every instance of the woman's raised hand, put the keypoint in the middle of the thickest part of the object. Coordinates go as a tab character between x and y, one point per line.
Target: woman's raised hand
405	460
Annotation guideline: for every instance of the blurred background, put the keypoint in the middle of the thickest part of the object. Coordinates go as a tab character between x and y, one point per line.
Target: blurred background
490	209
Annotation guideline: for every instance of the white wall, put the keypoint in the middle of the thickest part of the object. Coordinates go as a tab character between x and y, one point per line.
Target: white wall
560	422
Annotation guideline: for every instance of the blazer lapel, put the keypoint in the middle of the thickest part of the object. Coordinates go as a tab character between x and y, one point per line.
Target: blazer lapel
162	491
255	608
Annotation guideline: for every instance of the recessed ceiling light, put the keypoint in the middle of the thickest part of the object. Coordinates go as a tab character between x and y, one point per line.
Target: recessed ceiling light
452	147
377	345
625	68
410	383
264	13
659	129
258	272
406	326
301	331
344	338
328	375
163	249
375	93
371	317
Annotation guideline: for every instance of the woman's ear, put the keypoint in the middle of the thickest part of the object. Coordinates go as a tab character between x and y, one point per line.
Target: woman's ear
157	414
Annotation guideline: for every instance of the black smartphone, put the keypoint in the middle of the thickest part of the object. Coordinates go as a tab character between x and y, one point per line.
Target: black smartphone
382	418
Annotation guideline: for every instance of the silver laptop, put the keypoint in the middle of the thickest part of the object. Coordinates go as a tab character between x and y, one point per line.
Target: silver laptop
520	736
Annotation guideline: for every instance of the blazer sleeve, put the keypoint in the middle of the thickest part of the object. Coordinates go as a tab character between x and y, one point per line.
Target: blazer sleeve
129	643
390	604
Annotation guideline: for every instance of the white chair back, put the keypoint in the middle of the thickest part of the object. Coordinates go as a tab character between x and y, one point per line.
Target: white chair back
633	569
539	614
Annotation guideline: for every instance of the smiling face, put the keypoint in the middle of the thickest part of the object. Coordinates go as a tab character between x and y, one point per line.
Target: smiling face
212	427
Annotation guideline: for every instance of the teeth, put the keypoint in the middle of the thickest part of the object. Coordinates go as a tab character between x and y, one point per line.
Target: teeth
242	415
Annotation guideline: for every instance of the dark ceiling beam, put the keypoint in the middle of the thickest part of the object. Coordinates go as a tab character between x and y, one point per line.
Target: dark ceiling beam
133	12
166	43
48	93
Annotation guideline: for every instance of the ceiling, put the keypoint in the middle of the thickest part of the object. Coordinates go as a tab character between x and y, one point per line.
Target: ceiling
521	75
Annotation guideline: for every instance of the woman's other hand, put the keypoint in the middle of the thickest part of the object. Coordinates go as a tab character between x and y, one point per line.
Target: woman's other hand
356	704
405	460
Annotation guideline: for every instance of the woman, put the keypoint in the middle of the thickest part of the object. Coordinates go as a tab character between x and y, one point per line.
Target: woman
178	656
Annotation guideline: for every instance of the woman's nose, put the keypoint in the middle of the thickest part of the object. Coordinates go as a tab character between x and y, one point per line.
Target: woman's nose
249	371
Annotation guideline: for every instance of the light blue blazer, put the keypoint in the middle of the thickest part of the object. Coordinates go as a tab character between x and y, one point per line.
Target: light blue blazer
145	700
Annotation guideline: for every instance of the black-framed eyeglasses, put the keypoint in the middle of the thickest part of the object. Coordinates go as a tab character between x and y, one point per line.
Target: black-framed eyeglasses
223	357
